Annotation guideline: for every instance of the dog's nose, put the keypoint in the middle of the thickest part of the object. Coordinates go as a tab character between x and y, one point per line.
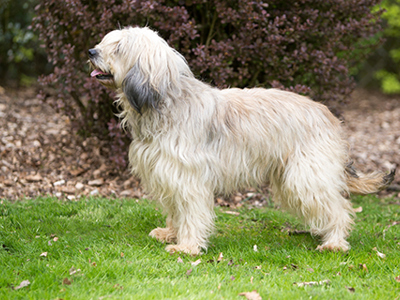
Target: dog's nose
92	53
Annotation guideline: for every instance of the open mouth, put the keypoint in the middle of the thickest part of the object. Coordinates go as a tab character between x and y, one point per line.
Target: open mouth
100	75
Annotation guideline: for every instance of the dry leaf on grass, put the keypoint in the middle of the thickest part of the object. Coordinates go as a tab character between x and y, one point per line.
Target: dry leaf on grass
364	267
220	257
44	254
398	278
73	271
387	228
195	263
311	283
179	261
251	295
350	289
22	284
381	255
235	213
188	272
358	209
66	281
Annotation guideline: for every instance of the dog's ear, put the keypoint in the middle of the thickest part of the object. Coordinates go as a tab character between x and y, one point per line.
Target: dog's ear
138	90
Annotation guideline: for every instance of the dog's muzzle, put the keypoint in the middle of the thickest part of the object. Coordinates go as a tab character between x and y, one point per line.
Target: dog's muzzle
103	76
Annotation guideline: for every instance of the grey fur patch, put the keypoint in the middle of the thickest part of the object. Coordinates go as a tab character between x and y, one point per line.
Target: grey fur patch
351	170
138	91
387	179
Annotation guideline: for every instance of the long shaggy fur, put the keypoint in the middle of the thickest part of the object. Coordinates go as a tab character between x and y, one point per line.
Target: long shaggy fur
192	141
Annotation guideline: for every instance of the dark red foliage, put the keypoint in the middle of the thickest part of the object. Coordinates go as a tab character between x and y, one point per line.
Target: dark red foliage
306	46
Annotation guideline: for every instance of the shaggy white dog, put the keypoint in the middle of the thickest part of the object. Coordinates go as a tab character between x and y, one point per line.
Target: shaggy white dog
192	141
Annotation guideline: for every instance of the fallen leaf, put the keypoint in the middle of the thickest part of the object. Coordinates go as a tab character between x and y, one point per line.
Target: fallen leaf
251	295
358	209
387	228
311	283
66	281
79	186
73	271
22	284
398	278
233	278
195	263
251	279
188	272
34	178
220	257
179	261
55	239
44	254
381	255
60	182
96	182
350	289
235	213
364	267
311	270
78	171
94	264
122	254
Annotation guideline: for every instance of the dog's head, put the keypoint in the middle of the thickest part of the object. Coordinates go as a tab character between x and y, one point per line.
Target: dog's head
138	62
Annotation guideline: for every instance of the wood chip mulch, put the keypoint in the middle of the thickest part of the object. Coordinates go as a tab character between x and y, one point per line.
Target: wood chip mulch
40	155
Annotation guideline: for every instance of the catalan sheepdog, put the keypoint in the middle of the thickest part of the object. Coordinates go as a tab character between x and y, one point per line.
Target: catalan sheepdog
192	141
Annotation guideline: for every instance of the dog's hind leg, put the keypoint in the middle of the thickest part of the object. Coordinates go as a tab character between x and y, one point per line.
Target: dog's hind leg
313	190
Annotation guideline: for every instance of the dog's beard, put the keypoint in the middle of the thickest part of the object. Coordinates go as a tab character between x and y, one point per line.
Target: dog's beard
104	77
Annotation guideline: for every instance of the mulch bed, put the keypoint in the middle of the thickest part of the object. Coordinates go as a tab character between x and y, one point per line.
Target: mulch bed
40	155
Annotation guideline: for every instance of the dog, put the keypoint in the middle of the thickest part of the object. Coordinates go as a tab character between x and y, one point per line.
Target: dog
192	141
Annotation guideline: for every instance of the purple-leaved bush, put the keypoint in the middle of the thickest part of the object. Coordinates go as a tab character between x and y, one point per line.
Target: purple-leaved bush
306	46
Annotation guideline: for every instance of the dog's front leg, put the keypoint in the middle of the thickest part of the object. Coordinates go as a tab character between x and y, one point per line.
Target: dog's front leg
193	222
167	234
190	219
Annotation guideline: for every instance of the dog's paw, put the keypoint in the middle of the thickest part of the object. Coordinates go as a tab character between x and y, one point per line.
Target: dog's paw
192	250
163	234
335	247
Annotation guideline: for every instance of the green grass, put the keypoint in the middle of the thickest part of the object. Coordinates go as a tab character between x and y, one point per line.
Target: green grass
92	234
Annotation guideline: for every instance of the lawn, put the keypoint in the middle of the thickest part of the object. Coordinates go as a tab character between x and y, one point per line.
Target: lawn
99	248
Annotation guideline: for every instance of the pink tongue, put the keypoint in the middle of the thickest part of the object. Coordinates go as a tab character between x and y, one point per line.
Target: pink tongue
97	72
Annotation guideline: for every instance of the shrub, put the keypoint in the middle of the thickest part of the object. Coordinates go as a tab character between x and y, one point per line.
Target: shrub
389	76
306	46
20	55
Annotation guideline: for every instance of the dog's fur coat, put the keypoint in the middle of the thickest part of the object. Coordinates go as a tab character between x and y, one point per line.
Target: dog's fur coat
192	141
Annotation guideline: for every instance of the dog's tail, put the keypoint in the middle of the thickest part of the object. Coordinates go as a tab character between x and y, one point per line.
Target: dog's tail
363	184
